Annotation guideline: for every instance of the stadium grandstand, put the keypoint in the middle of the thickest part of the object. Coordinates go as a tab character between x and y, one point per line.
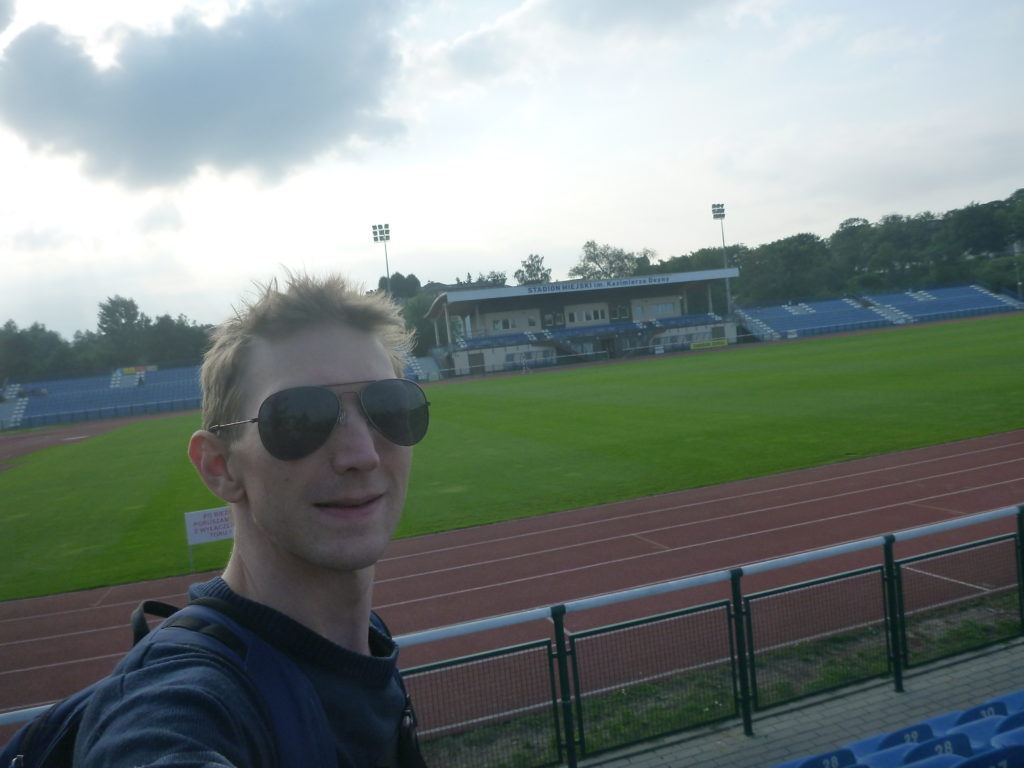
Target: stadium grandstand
533	326
125	392
526	326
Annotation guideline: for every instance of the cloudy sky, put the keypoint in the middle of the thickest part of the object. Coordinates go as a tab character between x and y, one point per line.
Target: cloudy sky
174	151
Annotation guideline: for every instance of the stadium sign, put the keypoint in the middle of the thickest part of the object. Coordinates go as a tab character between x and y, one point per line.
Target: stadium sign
206	525
595	285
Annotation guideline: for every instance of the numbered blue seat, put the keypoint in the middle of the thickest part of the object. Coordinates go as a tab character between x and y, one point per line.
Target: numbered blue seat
912	734
1014	701
942	723
955	744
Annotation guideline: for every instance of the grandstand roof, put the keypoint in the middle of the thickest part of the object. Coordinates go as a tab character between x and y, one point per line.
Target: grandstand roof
477	295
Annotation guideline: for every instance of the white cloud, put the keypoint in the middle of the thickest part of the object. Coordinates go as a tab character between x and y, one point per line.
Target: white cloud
268	89
6	13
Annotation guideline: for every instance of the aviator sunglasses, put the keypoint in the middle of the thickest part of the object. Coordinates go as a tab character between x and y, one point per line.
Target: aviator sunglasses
294	422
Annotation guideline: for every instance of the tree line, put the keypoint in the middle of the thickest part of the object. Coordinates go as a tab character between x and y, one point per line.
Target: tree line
124	336
979	243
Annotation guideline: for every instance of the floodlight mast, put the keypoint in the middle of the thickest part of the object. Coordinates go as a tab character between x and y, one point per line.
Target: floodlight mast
718	212
381	234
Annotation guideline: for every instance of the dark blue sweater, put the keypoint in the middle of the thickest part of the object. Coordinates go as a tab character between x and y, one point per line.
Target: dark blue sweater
186	707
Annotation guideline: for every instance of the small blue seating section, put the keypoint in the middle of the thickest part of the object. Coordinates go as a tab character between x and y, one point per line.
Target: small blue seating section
945	303
990	735
814	318
99	397
841	315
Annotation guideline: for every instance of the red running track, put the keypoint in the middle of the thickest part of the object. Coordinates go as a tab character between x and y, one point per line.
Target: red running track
52	646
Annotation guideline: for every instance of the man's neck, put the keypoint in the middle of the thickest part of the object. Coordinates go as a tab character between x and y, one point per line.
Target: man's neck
333	604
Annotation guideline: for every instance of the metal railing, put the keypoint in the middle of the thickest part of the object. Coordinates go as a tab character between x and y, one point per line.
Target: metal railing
572	695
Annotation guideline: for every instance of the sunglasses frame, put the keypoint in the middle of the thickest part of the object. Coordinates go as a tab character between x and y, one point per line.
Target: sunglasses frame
353	387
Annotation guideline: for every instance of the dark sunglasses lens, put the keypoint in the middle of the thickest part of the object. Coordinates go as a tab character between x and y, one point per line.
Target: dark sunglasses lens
295	422
397	408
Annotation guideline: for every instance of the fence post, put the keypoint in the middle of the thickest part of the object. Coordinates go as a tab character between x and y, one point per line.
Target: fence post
740	633
895	618
561	655
1020	563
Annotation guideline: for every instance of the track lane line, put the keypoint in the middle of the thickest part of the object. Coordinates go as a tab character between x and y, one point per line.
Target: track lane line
688	524
734	497
725	539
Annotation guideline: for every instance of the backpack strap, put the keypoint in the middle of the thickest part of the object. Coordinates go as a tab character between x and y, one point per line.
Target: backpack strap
302	734
409	753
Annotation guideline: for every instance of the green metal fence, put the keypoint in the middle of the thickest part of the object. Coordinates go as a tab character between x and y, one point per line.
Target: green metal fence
959	599
817	636
642	679
495	709
613	686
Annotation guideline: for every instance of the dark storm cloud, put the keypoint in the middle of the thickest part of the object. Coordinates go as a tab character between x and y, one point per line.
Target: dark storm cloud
269	89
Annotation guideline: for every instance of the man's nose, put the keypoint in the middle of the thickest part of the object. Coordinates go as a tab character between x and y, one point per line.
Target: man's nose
353	444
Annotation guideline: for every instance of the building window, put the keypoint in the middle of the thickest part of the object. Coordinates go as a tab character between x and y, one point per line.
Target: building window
532	322
572	317
496	325
549	320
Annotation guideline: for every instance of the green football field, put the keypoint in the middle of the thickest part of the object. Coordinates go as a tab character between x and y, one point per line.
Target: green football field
109	509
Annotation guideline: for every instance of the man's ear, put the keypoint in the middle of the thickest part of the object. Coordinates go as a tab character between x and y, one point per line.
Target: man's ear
209	455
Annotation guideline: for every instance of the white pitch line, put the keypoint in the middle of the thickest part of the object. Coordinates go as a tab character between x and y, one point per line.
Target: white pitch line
946	578
534	577
650	541
690	523
706	502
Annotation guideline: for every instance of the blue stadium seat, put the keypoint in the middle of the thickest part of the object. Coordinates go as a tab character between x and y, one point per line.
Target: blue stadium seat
1012	737
1006	757
837	758
943	723
958	744
912	735
941	761
980	731
1014	701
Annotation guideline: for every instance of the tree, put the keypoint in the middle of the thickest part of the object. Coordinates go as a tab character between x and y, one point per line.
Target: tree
601	262
402	286
32	353
533	271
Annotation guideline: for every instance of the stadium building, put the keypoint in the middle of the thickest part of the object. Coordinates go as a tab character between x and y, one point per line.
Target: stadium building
519	327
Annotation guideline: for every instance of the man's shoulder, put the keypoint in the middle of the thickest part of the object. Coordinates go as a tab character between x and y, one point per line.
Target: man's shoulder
171	696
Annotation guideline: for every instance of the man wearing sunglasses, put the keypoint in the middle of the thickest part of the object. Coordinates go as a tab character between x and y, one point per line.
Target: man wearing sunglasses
307	434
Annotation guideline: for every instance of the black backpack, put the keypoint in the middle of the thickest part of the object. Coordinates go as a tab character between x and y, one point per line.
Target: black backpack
302	734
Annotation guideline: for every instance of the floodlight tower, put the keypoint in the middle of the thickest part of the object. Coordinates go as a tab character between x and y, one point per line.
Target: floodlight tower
381	234
718	212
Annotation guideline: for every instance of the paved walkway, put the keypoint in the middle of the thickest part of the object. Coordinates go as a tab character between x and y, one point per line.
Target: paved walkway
818	725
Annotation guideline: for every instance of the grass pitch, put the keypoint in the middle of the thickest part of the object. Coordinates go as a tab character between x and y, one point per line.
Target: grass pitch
109	509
